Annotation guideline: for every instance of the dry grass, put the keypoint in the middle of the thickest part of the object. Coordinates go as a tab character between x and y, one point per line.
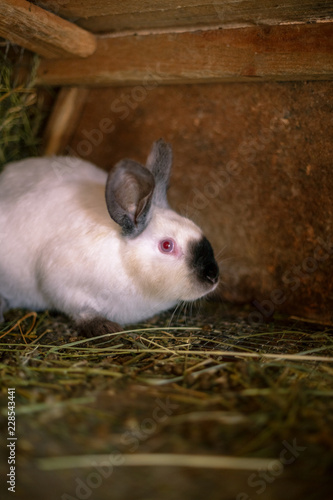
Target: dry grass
21	114
276	378
236	395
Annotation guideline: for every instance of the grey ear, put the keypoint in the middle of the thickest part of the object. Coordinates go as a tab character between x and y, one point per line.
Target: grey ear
159	163
128	194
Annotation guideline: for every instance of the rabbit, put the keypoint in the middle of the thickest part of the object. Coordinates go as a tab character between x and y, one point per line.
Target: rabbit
105	249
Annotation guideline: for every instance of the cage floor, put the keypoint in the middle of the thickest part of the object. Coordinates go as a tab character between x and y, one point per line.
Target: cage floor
189	404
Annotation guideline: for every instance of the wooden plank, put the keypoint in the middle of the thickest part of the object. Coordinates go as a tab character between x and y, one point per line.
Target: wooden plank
114	15
63	120
281	53
43	32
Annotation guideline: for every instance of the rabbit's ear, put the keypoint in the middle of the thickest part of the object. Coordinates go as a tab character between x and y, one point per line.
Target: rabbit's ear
159	163
128	194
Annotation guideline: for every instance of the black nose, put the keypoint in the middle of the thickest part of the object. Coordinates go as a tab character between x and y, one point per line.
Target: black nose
202	261
212	272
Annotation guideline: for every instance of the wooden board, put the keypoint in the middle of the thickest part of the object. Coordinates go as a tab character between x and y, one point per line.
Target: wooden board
281	53
64	118
43	32
115	15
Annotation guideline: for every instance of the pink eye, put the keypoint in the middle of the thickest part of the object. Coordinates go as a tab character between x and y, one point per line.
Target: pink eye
167	245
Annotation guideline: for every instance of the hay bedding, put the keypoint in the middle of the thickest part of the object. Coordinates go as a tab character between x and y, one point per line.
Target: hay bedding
22	110
210	402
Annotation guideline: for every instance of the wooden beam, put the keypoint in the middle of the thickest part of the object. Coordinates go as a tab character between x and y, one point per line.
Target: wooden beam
280	53
116	16
42	32
63	120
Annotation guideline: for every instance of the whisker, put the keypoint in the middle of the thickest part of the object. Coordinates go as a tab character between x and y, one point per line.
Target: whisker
225	259
220	251
183	310
177	307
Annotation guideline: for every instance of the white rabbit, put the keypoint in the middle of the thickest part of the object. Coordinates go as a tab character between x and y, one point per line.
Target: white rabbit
104	249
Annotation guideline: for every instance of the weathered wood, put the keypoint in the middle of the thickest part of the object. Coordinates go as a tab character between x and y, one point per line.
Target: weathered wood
63	120
43	32
115	15
281	53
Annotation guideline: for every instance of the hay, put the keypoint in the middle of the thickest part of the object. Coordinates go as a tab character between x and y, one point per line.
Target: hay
21	113
160	460
237	399
272	376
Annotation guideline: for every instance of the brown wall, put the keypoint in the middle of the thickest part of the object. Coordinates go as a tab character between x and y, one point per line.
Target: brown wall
252	166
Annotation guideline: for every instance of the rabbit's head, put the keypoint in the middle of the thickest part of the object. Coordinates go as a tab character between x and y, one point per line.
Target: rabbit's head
165	255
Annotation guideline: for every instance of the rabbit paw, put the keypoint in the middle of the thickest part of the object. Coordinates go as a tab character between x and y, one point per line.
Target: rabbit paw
97	326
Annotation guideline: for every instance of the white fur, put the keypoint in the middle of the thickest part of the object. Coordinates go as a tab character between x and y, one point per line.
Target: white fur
60	248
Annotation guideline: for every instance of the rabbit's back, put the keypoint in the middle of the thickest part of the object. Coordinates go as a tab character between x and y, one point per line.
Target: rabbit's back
44	203
36	174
